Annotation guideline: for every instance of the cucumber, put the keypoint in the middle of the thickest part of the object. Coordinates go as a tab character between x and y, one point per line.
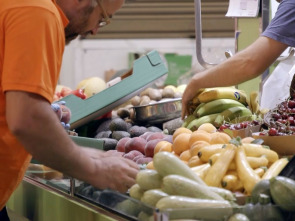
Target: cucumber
151	197
180	207
182	186
167	163
282	190
149	179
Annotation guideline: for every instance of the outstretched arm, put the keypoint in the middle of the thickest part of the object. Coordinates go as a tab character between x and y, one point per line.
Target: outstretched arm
31	119
245	65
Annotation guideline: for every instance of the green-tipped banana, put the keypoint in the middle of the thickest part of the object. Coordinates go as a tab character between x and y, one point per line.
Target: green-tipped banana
198	108
210	94
244	118
230	114
187	120
195	124
217	106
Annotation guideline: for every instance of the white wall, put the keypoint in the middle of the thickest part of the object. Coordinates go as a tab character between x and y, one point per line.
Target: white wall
87	58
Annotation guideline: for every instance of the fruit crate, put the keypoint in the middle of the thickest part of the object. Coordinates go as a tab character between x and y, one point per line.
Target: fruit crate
146	70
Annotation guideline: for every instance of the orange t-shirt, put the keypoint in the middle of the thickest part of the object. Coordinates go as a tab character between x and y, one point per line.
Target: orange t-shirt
32	42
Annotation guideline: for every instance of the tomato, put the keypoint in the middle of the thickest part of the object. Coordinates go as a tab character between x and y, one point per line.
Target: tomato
79	93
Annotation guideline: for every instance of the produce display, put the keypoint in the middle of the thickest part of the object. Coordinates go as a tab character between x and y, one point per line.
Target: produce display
280	121
207	167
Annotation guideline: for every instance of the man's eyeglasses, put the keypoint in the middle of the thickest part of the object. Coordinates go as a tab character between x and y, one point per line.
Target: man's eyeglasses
105	20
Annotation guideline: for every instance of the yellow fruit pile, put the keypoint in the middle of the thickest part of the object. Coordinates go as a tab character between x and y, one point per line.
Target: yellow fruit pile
209	153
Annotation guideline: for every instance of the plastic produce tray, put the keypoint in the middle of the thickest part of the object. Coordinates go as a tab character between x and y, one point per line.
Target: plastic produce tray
146	70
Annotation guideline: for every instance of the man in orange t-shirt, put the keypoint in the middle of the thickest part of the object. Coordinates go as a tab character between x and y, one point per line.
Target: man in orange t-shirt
32	39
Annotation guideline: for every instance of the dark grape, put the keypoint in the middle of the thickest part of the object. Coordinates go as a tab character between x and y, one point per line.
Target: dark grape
272	132
291	104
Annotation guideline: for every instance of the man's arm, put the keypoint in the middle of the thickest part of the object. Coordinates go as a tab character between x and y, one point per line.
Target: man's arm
245	65
31	119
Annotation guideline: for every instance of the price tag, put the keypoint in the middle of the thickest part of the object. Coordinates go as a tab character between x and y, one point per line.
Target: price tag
243	8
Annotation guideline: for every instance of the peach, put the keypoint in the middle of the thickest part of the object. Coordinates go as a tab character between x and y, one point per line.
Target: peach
135	143
181	143
155	135
163	146
208	127
185	155
150	146
219	138
180	131
146	134
121	144
198	136
132	154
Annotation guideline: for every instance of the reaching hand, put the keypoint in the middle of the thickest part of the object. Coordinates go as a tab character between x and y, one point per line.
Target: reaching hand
63	113
115	172
187	97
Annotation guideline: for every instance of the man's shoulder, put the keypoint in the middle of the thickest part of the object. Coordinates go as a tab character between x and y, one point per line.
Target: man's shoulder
14	4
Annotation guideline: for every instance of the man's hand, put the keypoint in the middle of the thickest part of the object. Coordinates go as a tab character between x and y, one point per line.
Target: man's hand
115	172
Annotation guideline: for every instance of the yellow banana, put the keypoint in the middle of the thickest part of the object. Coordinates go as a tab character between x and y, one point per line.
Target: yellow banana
216	106
187	120
210	94
254	104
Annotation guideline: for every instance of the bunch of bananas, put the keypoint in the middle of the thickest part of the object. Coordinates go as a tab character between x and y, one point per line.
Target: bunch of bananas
222	104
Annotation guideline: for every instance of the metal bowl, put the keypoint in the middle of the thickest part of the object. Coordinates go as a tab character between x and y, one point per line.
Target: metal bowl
159	112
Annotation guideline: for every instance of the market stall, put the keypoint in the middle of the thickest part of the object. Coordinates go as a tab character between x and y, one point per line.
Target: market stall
224	161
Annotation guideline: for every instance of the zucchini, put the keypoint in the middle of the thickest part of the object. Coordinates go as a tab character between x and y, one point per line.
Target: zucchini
167	163
182	186
225	194
245	172
151	197
257	150
282	190
220	167
136	192
238	217
275	168
180	207
149	179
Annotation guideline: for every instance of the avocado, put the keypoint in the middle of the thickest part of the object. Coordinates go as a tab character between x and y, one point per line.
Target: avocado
172	125
118	135
118	124
109	143
103	126
104	134
136	131
154	129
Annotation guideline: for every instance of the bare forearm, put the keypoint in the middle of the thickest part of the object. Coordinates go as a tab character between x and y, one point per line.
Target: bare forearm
43	136
242	67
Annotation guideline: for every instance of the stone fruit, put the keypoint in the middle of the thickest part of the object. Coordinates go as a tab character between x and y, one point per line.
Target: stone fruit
150	146
132	154
135	143
121	144
156	135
